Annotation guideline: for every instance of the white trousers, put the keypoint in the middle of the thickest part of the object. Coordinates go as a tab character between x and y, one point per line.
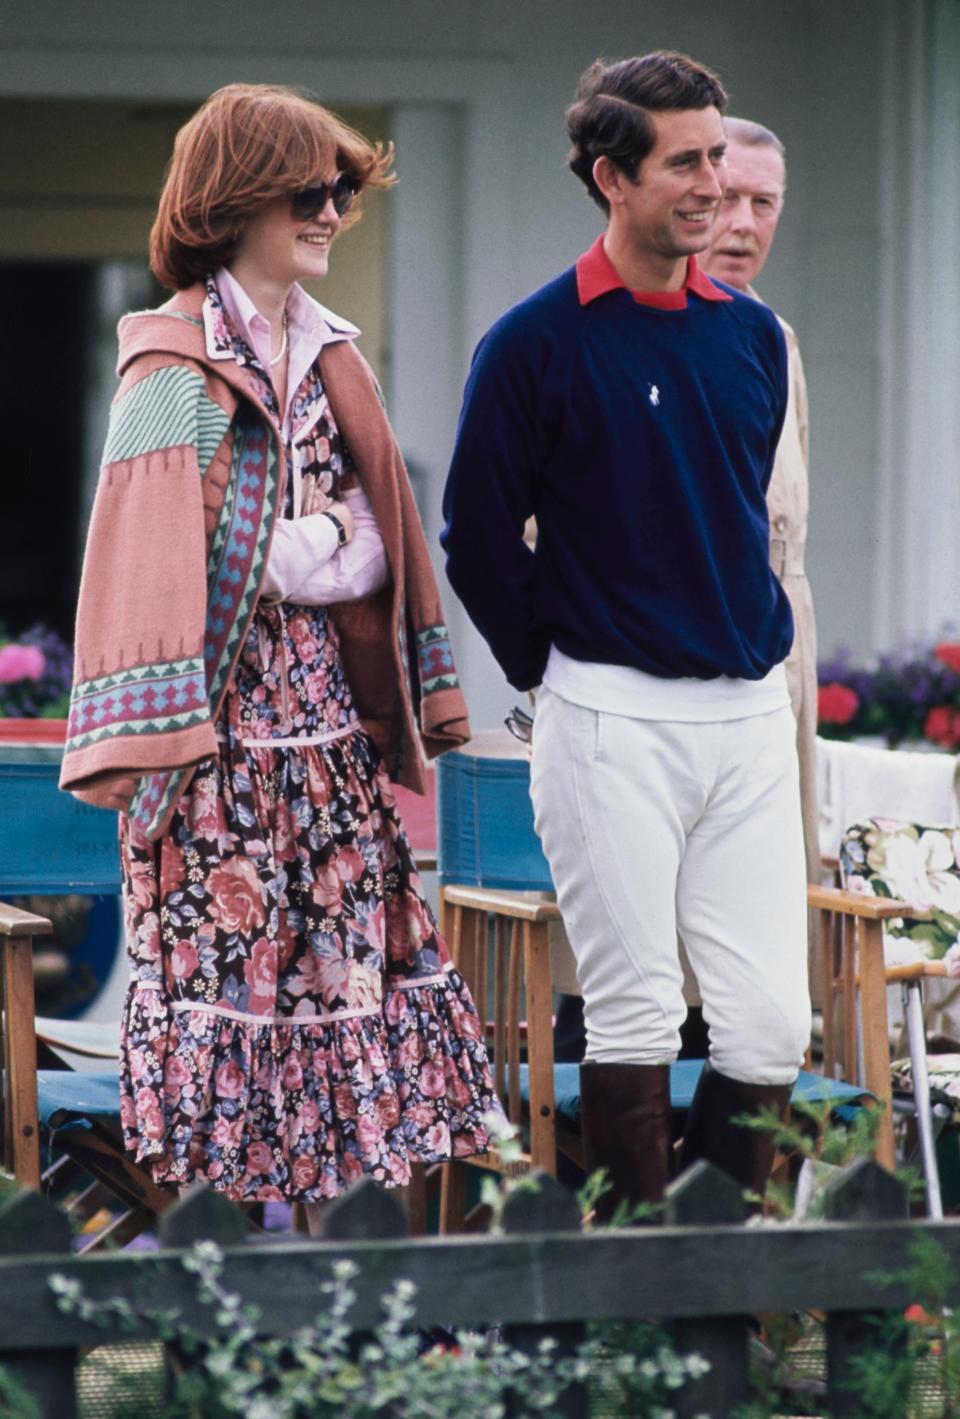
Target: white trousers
655	831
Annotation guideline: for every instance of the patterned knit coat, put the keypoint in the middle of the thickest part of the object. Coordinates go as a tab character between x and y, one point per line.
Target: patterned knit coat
192	479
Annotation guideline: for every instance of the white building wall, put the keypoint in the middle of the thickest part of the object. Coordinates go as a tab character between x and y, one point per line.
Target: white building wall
485	211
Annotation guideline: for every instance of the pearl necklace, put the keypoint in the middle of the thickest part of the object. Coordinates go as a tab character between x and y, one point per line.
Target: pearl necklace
283	343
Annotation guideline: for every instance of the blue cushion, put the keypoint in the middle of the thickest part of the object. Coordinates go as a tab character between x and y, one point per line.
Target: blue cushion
68	1098
684	1075
485	834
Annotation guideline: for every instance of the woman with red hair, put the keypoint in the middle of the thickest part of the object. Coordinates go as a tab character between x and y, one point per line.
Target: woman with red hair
260	649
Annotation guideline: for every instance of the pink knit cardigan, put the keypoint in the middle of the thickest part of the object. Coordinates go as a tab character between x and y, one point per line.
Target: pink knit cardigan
192	480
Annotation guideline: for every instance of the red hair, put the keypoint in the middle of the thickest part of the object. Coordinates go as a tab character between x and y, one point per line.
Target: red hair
248	144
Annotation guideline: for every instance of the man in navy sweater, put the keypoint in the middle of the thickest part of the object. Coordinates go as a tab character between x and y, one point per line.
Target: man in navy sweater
634	406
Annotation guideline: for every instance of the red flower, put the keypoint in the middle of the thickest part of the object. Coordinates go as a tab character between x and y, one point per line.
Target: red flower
948	653
916	1315
942	726
836	704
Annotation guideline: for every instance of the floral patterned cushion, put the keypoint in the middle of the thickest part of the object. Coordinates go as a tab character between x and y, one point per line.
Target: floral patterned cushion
944	1071
919	864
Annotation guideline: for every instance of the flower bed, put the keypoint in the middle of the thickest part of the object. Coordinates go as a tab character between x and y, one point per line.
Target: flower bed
899	697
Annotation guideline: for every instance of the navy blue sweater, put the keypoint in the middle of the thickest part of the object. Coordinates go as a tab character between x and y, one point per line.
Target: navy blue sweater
643	441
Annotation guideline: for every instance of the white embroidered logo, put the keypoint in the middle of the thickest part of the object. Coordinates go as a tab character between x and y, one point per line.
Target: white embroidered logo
654	395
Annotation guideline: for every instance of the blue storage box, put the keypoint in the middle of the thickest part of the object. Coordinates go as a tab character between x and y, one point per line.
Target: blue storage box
50	840
485	834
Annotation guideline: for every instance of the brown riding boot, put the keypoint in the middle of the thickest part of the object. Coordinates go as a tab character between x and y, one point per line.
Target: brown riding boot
745	1154
625	1119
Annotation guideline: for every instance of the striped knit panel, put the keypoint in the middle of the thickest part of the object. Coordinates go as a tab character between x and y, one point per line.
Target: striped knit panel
166	409
233	576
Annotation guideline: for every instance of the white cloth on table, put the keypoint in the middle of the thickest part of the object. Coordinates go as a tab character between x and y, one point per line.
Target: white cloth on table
856	781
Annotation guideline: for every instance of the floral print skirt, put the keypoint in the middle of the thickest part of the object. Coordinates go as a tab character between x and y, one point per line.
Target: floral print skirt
293	1021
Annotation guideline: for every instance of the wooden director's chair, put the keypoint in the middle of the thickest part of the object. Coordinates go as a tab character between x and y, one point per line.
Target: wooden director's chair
499	941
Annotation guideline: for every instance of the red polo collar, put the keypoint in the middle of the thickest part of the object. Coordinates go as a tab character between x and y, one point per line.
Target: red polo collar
596	275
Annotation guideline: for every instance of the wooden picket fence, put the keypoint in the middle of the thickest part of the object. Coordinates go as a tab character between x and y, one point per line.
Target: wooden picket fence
703	1272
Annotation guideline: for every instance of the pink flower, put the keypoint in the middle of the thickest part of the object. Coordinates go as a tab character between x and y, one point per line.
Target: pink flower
315	686
432	1082
395	1006
204	810
308	1116
259	1158
237	896
351	1167
410	1051
438	1138
231	1080
176	1070
326	889
458	1091
153	1122
399	1169
143	883
369	1133
345	1101
226	1133
304	1173
350	864
148	938
349	1044
172	868
292	1073
387	1110
21	662
260	973
183	960
468	1025
298	627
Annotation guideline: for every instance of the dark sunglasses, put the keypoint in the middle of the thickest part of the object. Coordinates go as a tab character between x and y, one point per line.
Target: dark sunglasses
306	203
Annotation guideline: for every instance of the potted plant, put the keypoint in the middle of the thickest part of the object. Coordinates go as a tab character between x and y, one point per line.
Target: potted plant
36	671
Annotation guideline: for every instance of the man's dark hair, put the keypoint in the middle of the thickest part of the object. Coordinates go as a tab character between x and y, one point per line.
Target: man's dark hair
610	115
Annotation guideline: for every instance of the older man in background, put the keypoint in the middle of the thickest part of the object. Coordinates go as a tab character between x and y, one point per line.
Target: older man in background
742	237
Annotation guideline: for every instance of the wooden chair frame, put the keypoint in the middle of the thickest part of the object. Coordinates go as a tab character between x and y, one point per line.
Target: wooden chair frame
94	1150
20	1131
853	971
853	964
520	972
